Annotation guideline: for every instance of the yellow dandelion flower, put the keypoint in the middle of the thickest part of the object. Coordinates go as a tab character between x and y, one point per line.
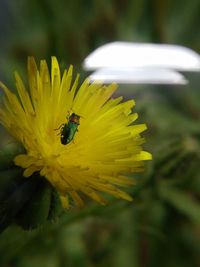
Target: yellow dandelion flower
104	149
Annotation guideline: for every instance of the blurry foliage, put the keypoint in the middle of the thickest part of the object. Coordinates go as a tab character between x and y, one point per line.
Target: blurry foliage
161	227
72	29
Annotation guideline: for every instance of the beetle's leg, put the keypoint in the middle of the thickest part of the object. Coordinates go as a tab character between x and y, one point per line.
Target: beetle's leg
67	117
59	127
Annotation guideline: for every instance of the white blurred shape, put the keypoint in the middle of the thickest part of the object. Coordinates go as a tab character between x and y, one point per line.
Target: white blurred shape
138	76
125	55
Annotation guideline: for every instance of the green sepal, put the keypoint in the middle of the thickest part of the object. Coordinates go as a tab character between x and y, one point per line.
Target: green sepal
29	202
13	202
55	207
35	212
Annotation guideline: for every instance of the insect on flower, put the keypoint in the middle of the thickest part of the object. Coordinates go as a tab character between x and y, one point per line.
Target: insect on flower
108	147
69	128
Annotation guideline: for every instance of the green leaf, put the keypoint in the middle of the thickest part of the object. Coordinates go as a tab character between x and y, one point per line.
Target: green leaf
182	201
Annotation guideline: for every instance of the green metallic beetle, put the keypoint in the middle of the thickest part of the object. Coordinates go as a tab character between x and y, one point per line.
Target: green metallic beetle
69	129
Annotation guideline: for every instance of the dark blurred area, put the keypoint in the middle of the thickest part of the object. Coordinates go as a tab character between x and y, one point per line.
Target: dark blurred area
161	227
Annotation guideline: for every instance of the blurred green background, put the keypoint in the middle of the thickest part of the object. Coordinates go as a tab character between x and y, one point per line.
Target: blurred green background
161	227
